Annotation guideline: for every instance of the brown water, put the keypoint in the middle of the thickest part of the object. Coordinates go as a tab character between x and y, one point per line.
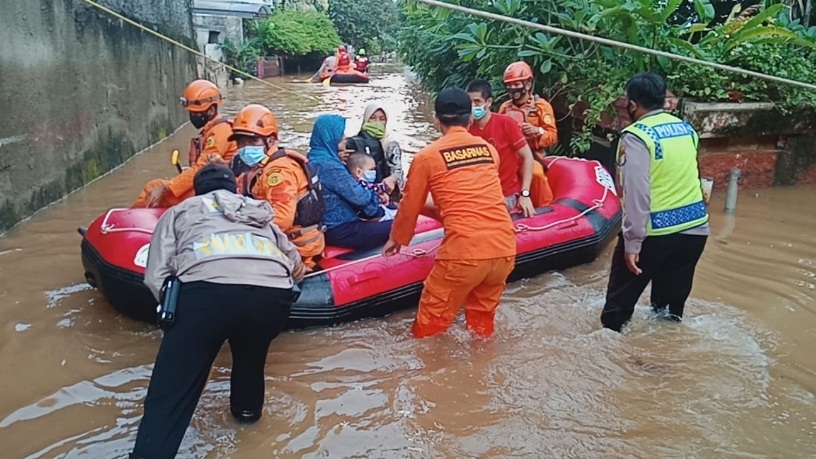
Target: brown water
736	380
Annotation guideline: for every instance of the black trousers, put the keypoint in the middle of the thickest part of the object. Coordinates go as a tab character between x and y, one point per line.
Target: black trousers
668	262
207	315
359	235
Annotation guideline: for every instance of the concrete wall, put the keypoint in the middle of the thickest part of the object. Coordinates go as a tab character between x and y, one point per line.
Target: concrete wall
82	92
228	27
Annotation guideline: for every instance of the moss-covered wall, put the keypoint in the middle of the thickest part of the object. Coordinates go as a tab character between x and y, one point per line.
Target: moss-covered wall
82	92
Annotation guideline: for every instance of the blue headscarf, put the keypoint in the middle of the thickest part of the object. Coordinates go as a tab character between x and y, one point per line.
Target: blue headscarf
326	135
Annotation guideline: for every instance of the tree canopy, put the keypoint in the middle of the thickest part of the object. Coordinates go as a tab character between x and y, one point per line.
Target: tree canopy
370	24
297	33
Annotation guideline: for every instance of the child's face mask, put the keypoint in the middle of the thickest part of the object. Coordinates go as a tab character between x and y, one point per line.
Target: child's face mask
370	176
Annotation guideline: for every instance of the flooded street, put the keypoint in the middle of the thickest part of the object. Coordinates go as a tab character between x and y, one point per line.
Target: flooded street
736	380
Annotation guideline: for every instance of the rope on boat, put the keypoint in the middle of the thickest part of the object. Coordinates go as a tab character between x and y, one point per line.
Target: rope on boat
618	44
194	51
416	253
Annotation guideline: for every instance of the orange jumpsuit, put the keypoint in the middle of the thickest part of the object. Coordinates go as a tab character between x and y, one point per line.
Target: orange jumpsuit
479	247
212	139
537	112
282	182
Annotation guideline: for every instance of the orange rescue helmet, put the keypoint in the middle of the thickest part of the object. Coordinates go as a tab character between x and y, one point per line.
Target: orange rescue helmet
200	95
517	71
255	121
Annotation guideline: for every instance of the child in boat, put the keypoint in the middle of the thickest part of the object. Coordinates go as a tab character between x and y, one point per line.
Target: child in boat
364	169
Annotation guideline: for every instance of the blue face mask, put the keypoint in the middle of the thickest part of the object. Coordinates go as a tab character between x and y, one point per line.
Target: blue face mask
370	176
479	112
252	154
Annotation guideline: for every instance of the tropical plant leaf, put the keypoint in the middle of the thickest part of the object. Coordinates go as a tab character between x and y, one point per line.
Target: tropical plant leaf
671	8
705	10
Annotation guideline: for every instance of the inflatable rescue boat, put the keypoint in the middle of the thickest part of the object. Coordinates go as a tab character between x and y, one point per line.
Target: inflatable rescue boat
348	77
352	285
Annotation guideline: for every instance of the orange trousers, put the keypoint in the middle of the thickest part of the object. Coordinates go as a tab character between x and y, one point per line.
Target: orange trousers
478	284
540	192
310	247
168	200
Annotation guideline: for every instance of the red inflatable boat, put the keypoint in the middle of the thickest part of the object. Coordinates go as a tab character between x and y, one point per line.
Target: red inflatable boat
348	77
353	284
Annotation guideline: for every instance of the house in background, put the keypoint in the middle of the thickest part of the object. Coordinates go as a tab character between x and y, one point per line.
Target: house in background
217	20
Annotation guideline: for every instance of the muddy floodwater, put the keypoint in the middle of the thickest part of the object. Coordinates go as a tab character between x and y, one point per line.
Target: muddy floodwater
737	379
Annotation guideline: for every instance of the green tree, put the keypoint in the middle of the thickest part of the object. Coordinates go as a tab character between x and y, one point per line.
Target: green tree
447	48
296	33
370	24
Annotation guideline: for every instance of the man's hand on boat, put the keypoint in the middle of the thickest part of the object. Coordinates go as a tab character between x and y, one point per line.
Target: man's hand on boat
156	194
526	206
391	248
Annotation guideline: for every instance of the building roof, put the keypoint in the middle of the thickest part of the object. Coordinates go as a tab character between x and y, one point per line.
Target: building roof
244	9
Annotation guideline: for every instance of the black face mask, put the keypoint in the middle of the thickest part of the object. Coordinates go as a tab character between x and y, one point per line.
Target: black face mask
198	119
517	93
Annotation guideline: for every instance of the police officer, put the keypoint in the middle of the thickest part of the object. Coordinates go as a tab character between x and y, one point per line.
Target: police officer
237	271
665	220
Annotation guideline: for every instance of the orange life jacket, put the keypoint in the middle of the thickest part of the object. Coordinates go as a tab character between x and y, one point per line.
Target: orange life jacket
310	205
197	143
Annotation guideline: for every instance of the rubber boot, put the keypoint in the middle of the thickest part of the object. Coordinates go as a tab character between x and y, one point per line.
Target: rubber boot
246	416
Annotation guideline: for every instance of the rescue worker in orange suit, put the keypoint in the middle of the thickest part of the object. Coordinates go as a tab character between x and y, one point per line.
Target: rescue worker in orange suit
284	178
537	121
343	59
201	99
461	173
516	169
533	113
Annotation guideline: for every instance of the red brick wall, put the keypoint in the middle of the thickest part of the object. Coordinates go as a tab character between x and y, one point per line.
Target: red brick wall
754	156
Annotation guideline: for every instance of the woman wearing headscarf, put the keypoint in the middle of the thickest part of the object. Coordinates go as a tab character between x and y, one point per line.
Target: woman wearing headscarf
374	141
347	203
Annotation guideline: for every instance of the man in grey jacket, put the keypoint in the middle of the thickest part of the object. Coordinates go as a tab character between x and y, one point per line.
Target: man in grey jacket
237	271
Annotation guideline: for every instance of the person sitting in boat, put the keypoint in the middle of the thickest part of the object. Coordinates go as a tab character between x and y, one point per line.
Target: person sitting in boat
516	166
237	271
347	203
326	68
374	141
343	59
533	113
201	99
284	178
361	62
363	168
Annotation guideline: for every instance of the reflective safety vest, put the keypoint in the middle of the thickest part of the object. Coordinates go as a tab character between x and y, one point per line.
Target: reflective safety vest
676	192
